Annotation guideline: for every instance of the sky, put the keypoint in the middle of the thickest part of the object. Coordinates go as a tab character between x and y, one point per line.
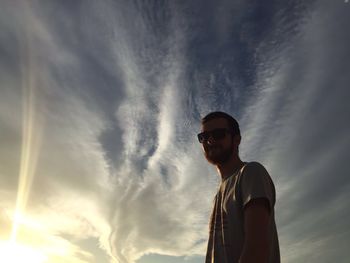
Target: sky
101	101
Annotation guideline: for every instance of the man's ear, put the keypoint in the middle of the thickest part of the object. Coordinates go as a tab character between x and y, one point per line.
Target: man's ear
236	139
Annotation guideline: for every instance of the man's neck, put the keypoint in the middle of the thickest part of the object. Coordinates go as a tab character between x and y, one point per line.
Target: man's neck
227	169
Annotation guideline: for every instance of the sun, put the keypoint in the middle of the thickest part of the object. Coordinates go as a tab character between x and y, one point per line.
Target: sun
11	252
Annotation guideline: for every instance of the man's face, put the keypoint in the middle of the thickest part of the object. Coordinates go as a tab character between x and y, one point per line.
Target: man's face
218	151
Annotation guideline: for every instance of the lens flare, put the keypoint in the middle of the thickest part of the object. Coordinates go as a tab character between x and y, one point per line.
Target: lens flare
31	130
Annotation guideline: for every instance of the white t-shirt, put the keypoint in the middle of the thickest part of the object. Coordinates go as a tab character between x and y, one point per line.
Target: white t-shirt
226	229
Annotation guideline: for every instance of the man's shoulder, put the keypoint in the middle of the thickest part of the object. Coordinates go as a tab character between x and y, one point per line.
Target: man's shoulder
254	168
254	164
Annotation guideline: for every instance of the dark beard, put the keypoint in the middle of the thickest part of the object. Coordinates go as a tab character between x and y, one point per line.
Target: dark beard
221	158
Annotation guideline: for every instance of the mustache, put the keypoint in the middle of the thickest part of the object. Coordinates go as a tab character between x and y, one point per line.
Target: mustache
213	147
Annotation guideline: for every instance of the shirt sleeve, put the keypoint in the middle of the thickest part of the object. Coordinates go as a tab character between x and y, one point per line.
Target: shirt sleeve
257	183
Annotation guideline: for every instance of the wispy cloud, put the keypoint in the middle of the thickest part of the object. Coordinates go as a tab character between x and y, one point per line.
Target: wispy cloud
295	125
62	193
119	90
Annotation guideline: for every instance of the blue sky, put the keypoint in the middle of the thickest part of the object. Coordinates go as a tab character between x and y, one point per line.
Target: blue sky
101	102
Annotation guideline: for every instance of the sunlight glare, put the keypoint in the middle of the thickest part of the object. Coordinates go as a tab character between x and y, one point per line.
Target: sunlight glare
16	253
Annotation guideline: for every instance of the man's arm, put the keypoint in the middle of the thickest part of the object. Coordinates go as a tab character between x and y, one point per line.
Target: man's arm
256	225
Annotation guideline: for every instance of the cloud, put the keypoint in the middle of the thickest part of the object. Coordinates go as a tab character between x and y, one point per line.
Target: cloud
64	192
76	192
295	125
119	90
154	212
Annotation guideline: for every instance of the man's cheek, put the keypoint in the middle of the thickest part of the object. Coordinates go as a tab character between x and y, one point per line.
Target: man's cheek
213	151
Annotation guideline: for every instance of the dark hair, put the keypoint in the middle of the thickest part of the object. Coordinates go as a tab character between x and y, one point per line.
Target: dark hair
232	123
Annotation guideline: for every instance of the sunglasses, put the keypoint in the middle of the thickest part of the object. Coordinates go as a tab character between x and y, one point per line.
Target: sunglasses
216	134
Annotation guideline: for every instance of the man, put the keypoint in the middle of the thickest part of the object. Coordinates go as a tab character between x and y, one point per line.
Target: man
242	224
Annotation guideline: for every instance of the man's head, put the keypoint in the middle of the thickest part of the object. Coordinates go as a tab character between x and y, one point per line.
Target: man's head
220	137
